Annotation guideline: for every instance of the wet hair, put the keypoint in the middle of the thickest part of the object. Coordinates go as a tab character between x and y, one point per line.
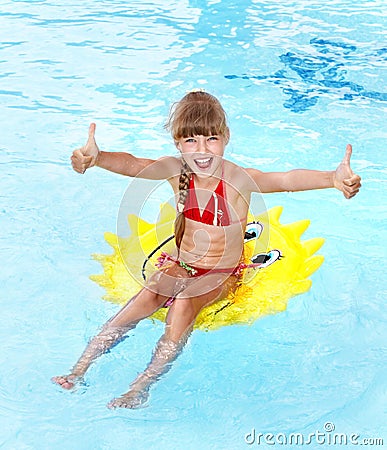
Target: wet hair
198	113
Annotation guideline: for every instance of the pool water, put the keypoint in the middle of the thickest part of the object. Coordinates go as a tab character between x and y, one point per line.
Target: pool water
299	81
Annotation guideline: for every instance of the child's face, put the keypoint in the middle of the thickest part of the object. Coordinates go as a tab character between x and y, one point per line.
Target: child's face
203	154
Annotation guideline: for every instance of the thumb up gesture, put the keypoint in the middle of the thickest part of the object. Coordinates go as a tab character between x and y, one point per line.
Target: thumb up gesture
86	156
344	179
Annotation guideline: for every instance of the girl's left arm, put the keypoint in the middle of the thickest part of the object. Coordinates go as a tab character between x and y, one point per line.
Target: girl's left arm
342	179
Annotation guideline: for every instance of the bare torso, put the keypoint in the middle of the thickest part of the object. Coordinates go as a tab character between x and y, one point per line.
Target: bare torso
210	246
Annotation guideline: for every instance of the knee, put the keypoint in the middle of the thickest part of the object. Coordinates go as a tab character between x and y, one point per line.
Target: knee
146	299
183	308
180	320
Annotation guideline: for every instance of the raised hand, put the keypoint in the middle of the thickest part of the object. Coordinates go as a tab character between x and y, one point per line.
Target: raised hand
85	157
344	179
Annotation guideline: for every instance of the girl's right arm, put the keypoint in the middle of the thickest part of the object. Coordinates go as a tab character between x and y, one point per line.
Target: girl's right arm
123	163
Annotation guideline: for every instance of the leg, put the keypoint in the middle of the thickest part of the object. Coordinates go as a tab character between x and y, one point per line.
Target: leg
160	285
180	321
142	305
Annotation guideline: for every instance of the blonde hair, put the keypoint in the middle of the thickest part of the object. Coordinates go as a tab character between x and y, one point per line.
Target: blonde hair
196	114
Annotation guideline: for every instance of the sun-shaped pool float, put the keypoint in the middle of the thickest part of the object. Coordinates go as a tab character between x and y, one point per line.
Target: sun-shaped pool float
286	263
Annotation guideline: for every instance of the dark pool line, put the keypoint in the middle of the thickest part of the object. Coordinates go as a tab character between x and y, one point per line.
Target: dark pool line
322	74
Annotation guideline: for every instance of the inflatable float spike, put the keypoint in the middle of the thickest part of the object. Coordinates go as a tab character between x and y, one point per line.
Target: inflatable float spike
275	214
286	265
296	229
136	223
311	265
111	239
311	246
301	286
167	213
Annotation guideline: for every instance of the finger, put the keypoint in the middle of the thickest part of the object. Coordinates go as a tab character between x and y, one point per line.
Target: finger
91	137
80	159
77	154
80	165
352	191
75	161
78	170
352	181
351	195
348	193
86	160
348	154
77	166
351	188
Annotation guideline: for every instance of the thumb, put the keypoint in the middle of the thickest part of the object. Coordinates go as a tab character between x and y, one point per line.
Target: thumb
90	144
91	138
348	154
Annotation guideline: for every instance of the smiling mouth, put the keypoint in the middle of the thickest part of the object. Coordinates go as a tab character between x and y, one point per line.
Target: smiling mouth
203	163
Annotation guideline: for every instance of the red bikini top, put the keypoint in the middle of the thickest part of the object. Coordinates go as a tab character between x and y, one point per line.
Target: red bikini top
217	202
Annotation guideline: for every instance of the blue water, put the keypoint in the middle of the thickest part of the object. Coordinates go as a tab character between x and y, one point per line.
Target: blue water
299	80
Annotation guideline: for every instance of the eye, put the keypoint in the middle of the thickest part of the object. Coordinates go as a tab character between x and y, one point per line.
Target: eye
213	138
253	231
266	259
189	140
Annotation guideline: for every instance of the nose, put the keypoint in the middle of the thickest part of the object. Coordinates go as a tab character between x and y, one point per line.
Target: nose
202	144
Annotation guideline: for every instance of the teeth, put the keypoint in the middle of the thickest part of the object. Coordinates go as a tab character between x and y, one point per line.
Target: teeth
203	161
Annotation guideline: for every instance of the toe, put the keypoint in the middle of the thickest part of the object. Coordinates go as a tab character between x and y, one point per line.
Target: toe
131	401
67	385
63	381
112	404
58	380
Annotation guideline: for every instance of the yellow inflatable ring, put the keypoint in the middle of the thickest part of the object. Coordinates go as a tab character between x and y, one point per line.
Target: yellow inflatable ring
287	263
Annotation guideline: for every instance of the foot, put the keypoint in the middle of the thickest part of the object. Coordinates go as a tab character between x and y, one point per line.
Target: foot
132	399
67	381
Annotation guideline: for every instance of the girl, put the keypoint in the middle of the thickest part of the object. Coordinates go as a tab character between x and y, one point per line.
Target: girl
211	217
